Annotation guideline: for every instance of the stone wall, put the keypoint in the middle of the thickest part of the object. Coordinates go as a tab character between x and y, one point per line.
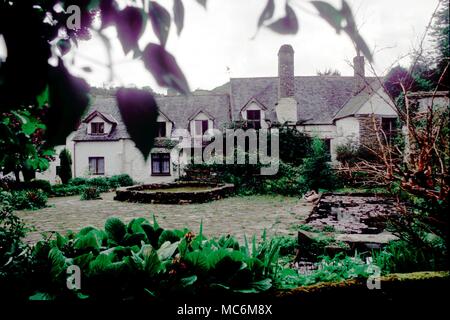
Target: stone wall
367	131
139	194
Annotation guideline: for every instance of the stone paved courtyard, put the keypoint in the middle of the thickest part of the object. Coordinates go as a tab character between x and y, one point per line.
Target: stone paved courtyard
236	215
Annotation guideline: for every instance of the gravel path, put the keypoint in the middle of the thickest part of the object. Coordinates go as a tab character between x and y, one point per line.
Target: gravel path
236	215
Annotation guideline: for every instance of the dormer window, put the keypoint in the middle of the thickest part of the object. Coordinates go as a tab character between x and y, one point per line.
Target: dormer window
161	127
97	127
254	119
201	126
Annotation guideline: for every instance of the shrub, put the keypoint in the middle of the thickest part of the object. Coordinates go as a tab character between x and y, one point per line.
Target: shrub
14	255
39	184
61	190
90	193
24	199
139	260
316	170
288	181
101	183
121	180
65	171
400	256
351	153
78	181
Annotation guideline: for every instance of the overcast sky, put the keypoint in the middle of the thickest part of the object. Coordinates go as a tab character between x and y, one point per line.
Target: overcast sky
216	44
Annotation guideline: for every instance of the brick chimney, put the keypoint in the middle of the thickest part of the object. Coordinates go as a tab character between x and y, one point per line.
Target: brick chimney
359	74
286	108
286	86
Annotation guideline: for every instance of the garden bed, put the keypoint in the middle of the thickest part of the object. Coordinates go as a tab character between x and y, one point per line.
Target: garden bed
181	192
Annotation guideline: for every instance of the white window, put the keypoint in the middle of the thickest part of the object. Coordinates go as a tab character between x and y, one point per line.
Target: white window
97	165
201	126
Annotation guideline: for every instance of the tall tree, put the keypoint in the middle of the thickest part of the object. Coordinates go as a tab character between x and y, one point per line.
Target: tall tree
65	169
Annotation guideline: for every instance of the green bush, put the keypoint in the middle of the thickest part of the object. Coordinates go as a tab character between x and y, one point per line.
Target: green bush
14	255
90	193
102	183
400	256
61	190
78	181
43	185
120	180
24	199
351	153
65	171
141	261
288	181
328	269
316	171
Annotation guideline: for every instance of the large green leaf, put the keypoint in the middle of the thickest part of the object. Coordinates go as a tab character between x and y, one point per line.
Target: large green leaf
169	235
92	240
57	261
115	229
198	261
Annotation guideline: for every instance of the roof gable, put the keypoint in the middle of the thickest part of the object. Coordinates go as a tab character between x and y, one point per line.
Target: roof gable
319	97
253	100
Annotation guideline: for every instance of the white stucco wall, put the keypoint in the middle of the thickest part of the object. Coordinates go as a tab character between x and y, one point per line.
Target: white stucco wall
120	157
378	104
347	131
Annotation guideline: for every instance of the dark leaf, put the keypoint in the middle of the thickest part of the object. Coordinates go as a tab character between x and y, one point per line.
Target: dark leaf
330	14
347	13
164	68
139	112
352	31
286	25
267	12
68	98
130	25
160	20
63	46
108	12
178	15
361	46
202	2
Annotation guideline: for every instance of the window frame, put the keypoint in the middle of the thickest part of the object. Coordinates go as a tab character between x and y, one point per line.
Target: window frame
160	158
161	124
96	159
391	132
253	122
97	125
203	126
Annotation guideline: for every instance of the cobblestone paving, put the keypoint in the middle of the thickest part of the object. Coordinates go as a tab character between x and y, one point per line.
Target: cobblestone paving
237	215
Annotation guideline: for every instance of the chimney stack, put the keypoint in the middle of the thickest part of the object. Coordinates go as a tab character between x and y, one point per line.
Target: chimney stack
286	108
286	85
359	74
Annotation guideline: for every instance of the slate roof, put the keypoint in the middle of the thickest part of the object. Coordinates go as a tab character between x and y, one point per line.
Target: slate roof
180	108
321	100
319	97
177	109
108	107
355	102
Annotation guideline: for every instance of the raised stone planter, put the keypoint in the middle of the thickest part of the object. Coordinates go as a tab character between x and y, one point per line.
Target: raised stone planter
181	192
